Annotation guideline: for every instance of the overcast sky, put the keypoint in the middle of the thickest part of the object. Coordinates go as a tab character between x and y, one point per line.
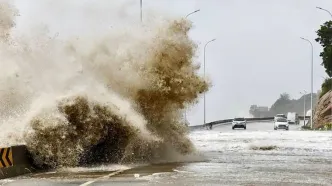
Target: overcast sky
257	56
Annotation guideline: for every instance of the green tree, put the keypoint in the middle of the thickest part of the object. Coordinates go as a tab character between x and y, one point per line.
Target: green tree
280	106
253	110
325	39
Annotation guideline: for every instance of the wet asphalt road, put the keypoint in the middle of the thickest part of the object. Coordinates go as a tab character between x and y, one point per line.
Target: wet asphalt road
256	156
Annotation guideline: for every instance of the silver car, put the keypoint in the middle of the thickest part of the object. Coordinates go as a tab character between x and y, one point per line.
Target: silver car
239	123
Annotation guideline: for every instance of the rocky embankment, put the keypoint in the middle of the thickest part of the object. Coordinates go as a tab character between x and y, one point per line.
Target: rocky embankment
323	111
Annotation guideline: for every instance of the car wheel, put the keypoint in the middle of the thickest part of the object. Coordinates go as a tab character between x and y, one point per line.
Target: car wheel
287	128
233	128
245	128
275	128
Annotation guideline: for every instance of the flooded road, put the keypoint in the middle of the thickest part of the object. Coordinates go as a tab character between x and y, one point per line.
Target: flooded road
256	156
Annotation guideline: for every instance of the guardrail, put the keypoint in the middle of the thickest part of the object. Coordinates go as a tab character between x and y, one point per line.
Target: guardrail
228	121
301	117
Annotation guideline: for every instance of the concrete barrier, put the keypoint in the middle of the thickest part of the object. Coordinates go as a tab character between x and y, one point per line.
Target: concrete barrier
301	117
228	121
15	161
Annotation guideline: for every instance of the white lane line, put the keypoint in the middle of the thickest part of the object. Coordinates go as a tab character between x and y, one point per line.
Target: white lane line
87	183
103	177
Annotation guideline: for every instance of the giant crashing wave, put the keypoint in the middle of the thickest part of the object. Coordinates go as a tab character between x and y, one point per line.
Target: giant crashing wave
85	102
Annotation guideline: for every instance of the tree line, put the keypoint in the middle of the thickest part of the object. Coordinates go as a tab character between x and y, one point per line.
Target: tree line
283	105
325	40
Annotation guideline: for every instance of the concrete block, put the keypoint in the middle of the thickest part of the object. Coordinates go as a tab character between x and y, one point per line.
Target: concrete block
15	161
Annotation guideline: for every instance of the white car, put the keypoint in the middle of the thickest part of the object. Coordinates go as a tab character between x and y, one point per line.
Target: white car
281	123
279	116
239	123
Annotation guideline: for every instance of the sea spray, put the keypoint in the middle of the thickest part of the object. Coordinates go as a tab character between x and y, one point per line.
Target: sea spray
100	99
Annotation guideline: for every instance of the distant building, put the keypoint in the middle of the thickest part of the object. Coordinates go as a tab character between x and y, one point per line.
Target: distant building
263	109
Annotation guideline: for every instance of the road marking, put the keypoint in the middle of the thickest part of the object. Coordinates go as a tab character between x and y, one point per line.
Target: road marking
103	177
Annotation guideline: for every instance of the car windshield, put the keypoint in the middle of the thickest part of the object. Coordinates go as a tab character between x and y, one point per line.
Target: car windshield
281	115
239	119
281	120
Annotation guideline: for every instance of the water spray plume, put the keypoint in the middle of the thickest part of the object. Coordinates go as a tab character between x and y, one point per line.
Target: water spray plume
98	99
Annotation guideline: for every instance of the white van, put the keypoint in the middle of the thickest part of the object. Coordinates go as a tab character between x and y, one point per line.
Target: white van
293	118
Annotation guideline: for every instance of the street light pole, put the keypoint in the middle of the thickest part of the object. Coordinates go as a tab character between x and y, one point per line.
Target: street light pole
141	7
304	112
204	77
185	111
324	10
192	13
312	78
